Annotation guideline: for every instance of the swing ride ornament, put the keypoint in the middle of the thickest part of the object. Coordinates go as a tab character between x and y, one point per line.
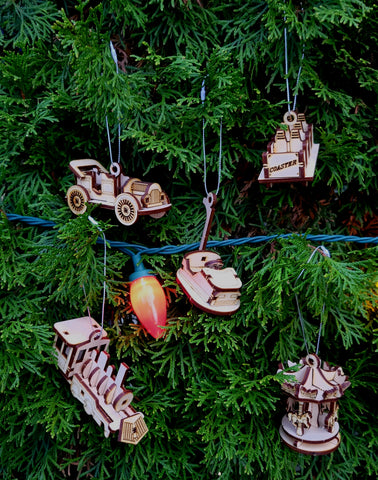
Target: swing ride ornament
310	425
129	197
291	154
202	277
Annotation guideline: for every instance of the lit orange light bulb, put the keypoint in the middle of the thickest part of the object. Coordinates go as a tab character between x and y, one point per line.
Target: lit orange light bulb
148	300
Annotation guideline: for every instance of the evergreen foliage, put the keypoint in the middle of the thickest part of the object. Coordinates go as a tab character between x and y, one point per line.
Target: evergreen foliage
208	389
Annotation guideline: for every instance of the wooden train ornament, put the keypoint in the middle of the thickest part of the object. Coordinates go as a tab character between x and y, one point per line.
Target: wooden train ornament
81	351
128	197
310	425
291	154
202	277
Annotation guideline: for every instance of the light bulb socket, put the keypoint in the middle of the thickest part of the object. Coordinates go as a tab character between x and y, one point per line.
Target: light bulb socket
140	270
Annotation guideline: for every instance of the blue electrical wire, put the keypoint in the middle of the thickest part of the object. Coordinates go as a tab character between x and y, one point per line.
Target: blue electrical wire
174	249
30	220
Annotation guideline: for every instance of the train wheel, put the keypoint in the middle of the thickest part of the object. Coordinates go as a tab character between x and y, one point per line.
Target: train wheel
123	401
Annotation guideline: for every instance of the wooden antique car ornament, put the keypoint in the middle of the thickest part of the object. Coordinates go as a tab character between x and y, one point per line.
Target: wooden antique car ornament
291	154
310	425
207	285
81	351
128	197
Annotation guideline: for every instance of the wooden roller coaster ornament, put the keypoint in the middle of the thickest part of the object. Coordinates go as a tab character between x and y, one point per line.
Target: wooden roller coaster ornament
291	154
81	346
310	425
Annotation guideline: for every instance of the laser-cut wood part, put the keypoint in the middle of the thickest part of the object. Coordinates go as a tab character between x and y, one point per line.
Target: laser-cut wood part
207	285
202	277
81	350
310	425
209	202
291	154
128	197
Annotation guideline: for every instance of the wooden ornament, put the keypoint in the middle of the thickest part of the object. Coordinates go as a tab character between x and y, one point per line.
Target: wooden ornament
81	350
310	425
128	197
207	285
291	154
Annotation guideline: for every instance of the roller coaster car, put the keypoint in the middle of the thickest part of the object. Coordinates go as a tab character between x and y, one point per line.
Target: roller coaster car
291	154
129	197
80	348
209	286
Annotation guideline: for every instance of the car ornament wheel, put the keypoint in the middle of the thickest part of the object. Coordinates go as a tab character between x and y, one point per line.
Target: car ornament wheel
126	209
76	199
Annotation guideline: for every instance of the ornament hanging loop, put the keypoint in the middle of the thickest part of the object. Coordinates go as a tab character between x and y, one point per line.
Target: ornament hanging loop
290	118
209	201
115	169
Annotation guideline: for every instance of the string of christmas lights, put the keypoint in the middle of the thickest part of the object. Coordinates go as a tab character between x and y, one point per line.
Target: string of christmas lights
173	249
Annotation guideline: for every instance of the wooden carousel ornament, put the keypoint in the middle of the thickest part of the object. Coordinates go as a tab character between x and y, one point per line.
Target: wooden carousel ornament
81	346
310	425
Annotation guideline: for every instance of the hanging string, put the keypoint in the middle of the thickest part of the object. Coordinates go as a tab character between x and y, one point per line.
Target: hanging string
203	97
115	59
325	253
109	142
95	223
298	76
287	70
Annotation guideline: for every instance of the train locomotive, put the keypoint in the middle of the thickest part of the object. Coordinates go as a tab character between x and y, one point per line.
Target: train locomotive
81	350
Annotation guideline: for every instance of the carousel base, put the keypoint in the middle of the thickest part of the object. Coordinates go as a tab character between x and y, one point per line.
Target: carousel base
316	441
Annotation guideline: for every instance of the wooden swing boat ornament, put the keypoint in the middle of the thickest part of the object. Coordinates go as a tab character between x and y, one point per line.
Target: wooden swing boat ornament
310	425
208	286
81	350
291	154
128	197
